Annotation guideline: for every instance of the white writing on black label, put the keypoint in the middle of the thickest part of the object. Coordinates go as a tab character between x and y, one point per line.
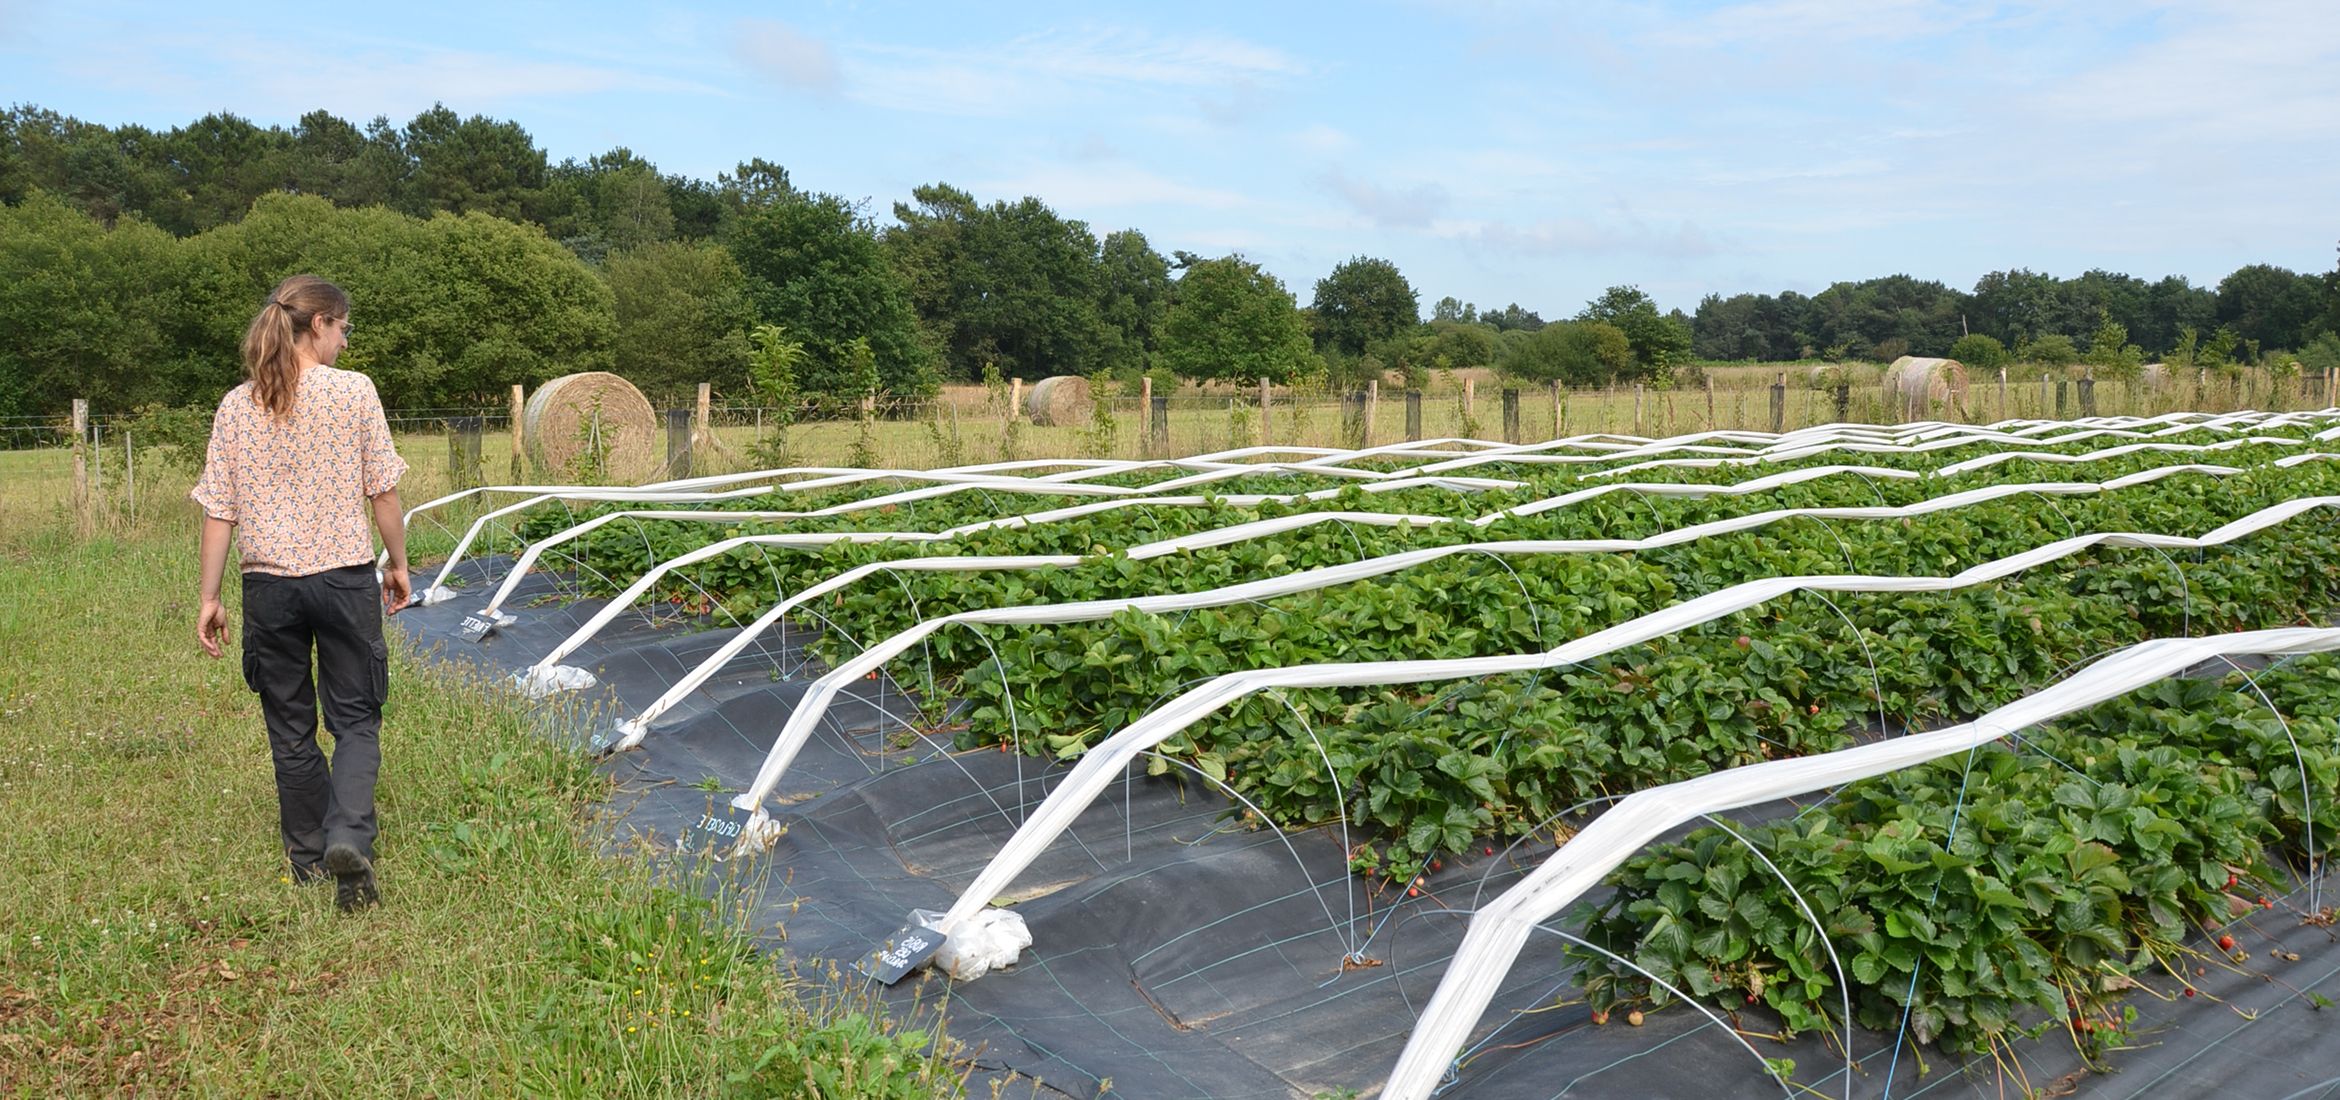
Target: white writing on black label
718	825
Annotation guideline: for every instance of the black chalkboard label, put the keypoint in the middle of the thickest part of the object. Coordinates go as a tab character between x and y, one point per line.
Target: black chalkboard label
903	952
475	629
716	829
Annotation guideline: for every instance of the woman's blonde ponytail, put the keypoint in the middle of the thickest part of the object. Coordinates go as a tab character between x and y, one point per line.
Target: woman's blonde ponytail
271	343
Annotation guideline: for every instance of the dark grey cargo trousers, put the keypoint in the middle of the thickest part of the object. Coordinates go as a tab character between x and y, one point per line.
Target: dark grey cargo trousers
338	613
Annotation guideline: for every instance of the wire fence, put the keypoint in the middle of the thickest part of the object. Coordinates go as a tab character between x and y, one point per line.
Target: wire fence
114	469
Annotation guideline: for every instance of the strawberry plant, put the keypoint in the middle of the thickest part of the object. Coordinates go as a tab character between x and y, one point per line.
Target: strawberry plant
1991	898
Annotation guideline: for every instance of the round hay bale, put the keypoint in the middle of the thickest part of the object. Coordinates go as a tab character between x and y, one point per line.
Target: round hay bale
1058	401
1915	387
571	417
1830	376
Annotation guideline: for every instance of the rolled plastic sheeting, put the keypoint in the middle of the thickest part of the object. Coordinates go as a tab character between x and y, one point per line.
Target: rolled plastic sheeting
1946	435
643	496
1102	762
821	692
632	731
536	550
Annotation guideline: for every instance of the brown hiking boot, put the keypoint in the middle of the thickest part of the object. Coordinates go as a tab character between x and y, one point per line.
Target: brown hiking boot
353	878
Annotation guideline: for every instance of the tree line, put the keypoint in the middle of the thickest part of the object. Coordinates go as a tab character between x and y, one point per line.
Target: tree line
130	259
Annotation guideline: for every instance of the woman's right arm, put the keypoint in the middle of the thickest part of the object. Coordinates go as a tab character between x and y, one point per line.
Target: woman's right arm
211	621
215	491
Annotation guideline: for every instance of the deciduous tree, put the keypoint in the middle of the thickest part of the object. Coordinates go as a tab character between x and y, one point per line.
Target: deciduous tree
1230	320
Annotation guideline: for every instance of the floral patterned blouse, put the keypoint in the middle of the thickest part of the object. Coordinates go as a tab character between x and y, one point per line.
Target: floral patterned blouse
296	488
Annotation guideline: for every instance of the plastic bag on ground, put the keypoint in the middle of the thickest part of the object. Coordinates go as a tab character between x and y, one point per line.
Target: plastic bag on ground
540	682
987	941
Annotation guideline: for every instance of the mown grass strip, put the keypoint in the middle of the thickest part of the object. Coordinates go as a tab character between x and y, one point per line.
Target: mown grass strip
150	941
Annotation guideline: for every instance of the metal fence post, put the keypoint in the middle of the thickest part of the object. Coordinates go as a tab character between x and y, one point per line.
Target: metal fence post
464	468
1353	430
678	443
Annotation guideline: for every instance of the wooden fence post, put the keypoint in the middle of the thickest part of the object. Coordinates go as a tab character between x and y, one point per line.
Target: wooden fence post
1559	410
1146	412
84	523
519	434
1779	403
1709	402
1510	415
703	421
1413	416
1264	421
1372	408
2002	393
1470	399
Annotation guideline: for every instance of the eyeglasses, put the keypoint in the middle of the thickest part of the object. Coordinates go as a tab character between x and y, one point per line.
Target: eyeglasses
347	327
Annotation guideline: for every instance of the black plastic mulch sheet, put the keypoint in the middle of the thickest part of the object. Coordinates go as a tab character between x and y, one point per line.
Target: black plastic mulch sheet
1180	953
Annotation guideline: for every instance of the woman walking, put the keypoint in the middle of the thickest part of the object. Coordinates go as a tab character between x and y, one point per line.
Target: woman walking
299	454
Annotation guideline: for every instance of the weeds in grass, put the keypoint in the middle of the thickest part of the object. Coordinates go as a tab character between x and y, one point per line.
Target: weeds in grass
152	941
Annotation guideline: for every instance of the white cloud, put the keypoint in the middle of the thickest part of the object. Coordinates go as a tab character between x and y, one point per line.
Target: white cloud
1624	235
1389	207
1796	170
1804	24
784	54
1079	188
2231	74
1321	138
1054	69
369	76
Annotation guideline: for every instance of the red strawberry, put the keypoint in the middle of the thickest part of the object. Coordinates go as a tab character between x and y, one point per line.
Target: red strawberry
2226	943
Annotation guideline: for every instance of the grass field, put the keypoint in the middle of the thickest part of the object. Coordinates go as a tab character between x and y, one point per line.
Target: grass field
967	424
150	943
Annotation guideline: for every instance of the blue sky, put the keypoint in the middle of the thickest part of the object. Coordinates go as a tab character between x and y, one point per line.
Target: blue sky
1496	151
